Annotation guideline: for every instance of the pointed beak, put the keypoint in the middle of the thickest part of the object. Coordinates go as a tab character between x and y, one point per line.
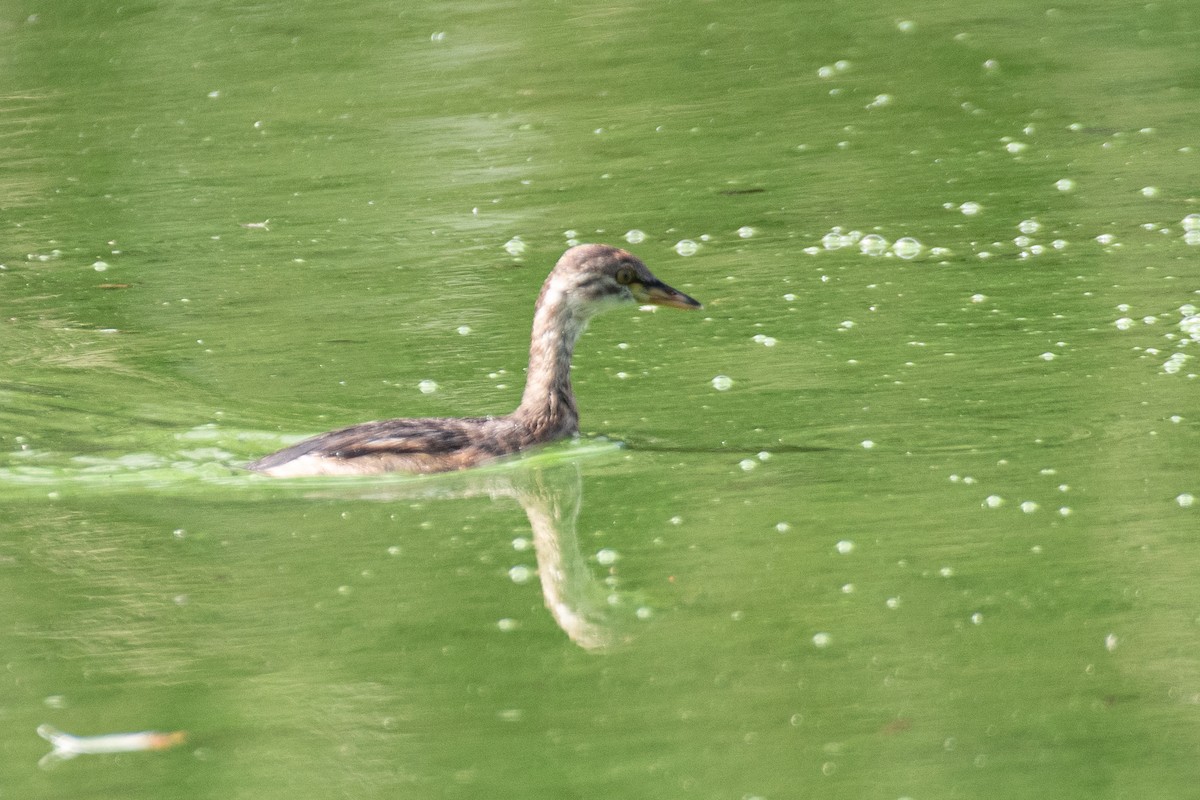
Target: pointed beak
658	293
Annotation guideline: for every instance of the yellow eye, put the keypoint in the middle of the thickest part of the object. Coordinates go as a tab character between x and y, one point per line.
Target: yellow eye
625	275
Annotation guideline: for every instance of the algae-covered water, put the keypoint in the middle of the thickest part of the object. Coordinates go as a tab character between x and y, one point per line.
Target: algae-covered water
908	510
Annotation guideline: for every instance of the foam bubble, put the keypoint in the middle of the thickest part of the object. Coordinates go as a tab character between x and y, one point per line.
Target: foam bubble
907	248
873	245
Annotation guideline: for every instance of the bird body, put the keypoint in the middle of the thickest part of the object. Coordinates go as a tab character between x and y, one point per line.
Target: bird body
586	280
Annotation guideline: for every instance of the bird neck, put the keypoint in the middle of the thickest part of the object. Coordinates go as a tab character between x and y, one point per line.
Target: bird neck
548	406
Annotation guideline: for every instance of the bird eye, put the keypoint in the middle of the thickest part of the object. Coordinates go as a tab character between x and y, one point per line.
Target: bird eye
625	276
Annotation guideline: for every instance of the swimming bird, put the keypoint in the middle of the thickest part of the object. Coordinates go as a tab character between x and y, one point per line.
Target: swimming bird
588	279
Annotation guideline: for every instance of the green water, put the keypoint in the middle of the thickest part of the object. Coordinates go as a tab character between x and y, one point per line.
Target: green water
934	536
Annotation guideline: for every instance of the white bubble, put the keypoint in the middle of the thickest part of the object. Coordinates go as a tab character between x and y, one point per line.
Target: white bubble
1015	147
635	236
977	618
978	298
867	444
722	383
506	625
1029	226
873	245
520	574
907	248
1174	364
993	501
1124	324
835	240
745	232
906	26
686	247
1047	356
1110	642
607	556
880	101
463	330
747	464
821	639
1106	238
1149	191
427	386
892	602
1191	237
1186	500
1064	185
514	246
1191	222
845	546
100	266
970	208
1190	325
782	527
1029	506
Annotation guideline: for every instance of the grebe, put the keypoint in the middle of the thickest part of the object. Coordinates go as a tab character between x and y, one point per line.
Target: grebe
588	279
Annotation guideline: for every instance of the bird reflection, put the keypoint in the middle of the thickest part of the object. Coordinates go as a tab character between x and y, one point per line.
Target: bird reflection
586	608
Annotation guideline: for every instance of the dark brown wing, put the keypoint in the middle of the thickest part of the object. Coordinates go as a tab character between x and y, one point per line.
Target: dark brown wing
430	437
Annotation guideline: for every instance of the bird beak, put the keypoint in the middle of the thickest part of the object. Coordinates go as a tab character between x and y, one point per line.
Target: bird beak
658	293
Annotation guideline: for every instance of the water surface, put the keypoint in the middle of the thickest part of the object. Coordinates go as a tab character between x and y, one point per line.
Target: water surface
888	518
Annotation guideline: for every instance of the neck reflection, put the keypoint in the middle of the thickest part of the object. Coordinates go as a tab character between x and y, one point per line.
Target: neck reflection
586	608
